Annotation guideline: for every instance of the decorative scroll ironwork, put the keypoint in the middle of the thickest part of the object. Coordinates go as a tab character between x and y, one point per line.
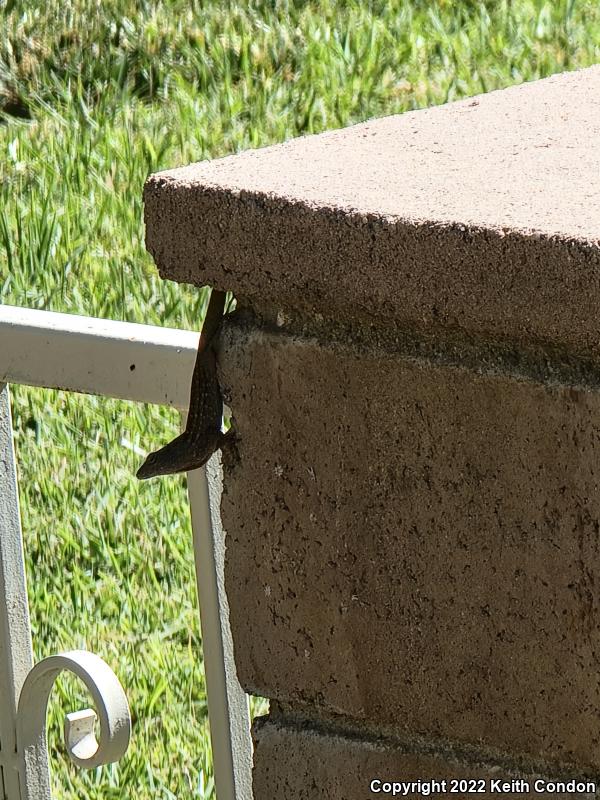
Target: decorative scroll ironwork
83	747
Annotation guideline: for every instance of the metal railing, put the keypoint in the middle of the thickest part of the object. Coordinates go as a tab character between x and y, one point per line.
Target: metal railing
132	362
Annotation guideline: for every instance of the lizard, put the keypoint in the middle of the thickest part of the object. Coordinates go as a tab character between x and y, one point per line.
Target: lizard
202	435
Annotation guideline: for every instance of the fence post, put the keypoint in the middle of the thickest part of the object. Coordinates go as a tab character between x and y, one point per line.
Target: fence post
227	703
16	653
25	688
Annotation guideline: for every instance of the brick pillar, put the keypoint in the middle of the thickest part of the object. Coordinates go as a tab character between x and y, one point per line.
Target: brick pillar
413	515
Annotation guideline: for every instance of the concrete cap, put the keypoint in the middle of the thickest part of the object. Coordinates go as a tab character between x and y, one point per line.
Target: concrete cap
481	216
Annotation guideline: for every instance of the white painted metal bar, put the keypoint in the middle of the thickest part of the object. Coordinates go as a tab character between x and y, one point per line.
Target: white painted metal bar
25	688
96	356
227	703
16	653
84	354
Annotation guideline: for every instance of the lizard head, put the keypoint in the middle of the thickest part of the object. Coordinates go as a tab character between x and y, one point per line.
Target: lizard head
151	467
172	458
180	455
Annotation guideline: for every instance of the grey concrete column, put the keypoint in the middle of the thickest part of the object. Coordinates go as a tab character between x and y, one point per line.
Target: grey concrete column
412	516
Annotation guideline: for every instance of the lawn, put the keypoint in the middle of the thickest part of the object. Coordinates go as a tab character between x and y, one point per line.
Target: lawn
93	97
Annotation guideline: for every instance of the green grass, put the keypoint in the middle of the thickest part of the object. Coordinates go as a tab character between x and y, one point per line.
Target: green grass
93	97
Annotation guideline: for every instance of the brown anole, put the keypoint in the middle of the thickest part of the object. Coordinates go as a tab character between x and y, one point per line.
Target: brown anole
202	435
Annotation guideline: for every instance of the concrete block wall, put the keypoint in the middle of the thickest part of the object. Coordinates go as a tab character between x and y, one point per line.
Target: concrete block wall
413	511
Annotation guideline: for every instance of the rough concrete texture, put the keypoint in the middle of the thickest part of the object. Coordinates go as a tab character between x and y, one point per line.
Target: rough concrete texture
480	216
415	547
295	763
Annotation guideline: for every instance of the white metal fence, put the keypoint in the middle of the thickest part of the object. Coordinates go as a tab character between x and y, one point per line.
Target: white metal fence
133	362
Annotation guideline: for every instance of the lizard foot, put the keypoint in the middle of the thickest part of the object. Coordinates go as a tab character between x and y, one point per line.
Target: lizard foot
229	448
